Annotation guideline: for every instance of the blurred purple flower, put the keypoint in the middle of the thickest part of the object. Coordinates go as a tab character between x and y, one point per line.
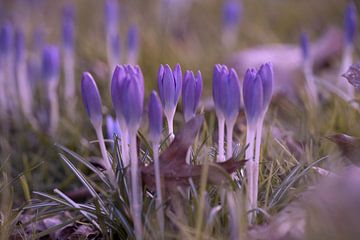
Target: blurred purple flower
112	127
111	10
169	83
91	99
232	11
253	96
6	38
50	63
133	39
191	93
68	26
115	45
350	23
155	118
19	46
304	45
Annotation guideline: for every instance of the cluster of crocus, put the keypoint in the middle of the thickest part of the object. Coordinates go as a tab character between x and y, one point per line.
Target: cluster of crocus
231	15
226	95
68	33
350	26
311	88
257	93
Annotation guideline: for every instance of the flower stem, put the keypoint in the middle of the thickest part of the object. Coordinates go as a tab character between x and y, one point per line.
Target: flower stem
159	207
135	186
105	157
229	138
221	155
249	156
170	121
54	106
257	160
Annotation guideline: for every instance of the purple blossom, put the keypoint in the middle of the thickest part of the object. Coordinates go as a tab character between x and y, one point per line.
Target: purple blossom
253	96
232	11
191	93
133	39
6	38
169	83
266	75
68	26
304	45
155	118
350	23
91	99
50	63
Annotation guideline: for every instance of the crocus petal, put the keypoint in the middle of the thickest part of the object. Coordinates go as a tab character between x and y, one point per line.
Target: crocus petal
178	82
91	99
253	95
266	76
232	96
350	23
304	45
168	88
116	84
51	63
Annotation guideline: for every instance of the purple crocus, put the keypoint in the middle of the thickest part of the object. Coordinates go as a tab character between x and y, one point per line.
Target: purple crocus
226	95
350	23
132	44
6	38
68	26
169	84
266	75
91	99
51	63
304	45
112	32
253	96
191	93
92	102
155	118
232	11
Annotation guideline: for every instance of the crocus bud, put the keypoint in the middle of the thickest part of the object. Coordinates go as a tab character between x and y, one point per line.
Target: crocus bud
266	75
191	93
232	13
350	23
68	27
6	38
155	118
231	95
91	99
132	44
111	15
253	96
116	84
51	63
169	83
304	45
132	102
217	89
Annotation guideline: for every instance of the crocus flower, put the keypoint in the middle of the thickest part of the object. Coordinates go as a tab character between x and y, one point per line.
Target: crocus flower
304	45
253	96
226	95
68	27
51	74
6	38
231	15
92	102
51	63
132	45
155	130
169	84
191	93
91	99
112	32
350	23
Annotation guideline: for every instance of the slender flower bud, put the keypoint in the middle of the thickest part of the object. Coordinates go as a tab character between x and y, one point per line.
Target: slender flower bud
216	90
304	45
155	118
253	95
350	23
19	46
232	11
116	83
231	95
132	44
111	10
6	38
191	93
91	99
169	83
68	27
51	63
266	75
